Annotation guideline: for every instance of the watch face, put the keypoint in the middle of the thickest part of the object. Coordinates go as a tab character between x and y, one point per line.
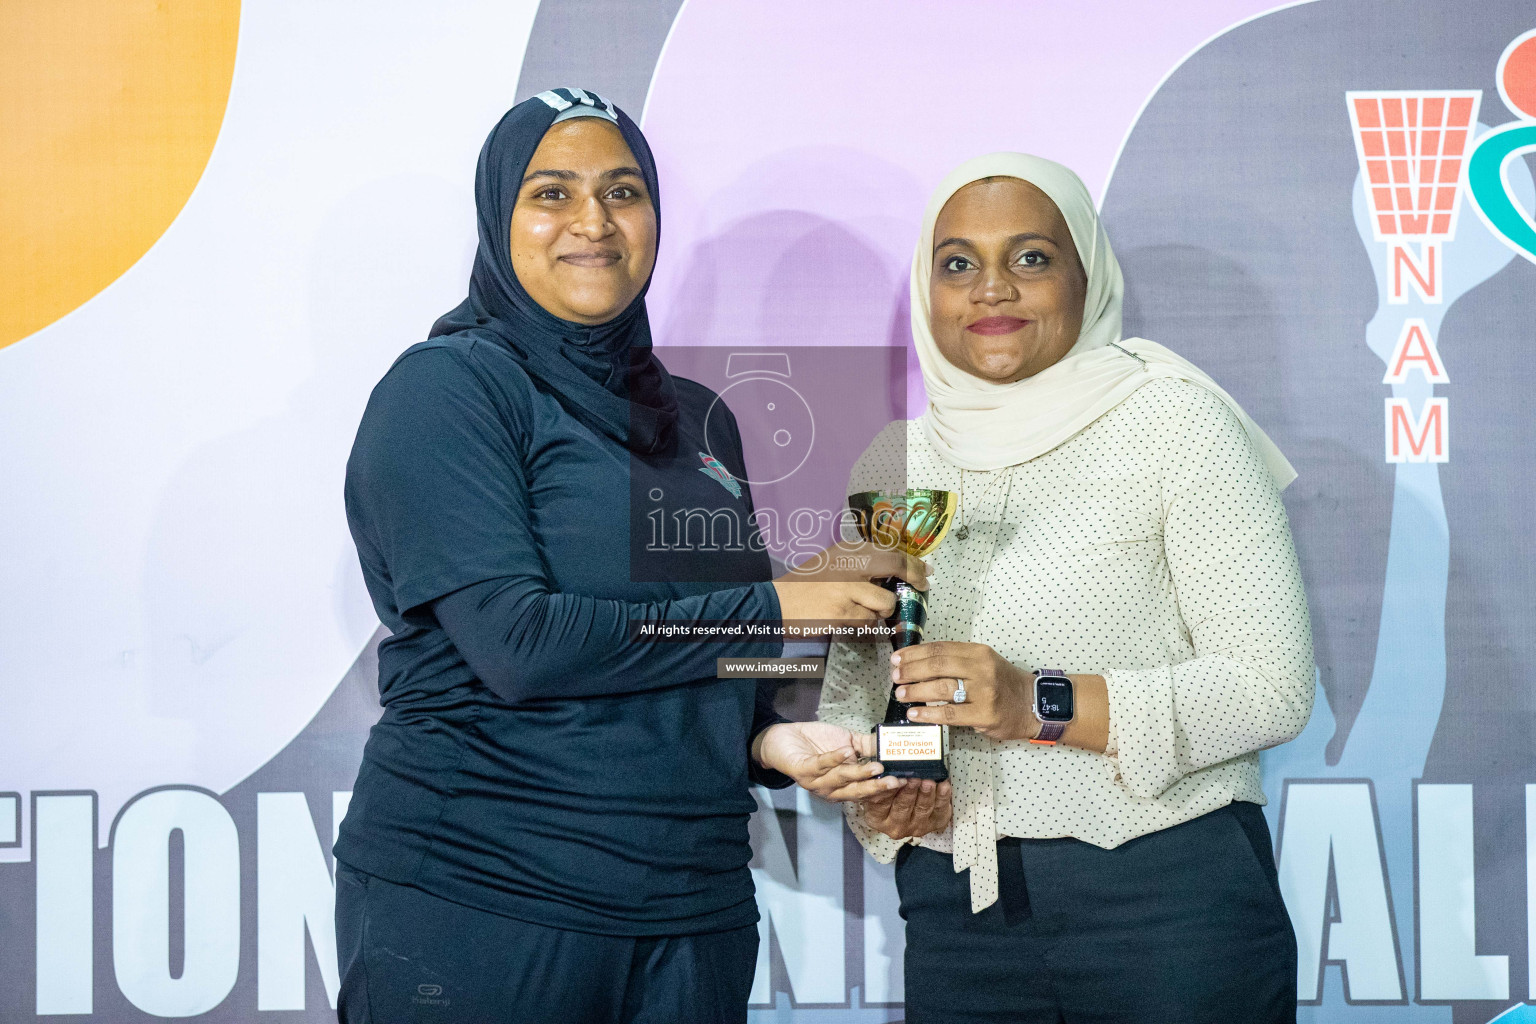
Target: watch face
1053	699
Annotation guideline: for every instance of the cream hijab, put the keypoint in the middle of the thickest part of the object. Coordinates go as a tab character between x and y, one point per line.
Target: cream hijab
981	425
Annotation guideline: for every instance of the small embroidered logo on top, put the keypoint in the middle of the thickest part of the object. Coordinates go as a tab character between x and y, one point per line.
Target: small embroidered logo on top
713	469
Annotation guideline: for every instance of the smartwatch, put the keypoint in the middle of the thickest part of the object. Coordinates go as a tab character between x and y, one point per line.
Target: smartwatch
1053	704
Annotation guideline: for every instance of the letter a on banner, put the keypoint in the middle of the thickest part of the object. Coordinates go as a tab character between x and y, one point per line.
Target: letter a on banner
1415	350
1334	880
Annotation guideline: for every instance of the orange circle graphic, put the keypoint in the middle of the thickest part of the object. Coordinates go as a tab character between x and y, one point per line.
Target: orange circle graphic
1519	79
108	113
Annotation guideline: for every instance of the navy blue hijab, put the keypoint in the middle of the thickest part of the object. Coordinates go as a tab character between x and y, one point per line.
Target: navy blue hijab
606	376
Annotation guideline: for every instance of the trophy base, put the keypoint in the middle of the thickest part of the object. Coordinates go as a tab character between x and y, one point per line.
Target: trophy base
910	751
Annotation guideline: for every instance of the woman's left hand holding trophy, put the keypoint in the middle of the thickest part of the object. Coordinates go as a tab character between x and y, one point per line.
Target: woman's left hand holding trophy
997	700
824	758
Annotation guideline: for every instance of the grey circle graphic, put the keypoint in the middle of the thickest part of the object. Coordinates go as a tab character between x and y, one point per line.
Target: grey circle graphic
766	408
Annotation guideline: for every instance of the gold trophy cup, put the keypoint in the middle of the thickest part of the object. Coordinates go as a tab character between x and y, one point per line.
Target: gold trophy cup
913	521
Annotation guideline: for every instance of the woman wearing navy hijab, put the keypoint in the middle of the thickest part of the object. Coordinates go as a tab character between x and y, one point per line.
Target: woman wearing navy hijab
550	821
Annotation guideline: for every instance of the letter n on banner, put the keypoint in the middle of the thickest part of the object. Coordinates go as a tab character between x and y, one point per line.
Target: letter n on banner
1421	273
802	910
295	896
1333	875
1422	438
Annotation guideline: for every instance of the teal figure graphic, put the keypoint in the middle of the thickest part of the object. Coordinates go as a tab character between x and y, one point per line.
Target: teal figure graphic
714	470
1488	182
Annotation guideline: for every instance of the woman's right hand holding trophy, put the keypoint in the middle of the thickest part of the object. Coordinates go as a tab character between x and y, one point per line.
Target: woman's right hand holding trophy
833	586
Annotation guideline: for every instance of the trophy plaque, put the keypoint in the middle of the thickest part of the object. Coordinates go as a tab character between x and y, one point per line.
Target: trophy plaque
912	521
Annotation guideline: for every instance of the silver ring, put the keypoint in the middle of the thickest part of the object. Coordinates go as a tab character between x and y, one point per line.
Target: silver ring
959	697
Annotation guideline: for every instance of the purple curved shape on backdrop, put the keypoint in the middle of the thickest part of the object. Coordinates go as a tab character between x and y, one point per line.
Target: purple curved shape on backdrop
797	142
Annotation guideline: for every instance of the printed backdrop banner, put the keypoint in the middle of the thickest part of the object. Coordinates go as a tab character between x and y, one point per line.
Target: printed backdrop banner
219	223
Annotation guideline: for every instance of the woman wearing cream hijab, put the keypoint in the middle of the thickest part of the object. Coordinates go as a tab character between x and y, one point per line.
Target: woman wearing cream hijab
1116	628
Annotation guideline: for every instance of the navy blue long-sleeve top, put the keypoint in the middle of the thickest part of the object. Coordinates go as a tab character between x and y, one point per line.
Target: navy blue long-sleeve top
534	759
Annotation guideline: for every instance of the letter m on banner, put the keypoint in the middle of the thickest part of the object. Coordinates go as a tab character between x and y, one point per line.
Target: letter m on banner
1422	438
1412	148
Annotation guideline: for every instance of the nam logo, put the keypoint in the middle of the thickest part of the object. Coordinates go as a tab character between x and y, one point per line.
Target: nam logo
1418	150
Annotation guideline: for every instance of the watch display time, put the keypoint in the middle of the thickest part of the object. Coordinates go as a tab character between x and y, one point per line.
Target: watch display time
1053	699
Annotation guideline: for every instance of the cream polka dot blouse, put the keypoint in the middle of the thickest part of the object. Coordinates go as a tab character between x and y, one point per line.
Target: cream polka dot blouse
1151	548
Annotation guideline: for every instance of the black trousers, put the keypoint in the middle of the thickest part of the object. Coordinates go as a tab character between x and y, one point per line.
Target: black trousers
1182	926
406	955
